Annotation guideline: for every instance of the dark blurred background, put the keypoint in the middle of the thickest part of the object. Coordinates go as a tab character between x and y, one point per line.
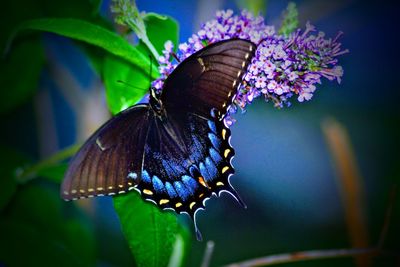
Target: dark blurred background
317	175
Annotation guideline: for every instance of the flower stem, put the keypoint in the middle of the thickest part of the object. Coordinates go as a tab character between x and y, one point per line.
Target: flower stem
151	47
24	175
142	35
128	14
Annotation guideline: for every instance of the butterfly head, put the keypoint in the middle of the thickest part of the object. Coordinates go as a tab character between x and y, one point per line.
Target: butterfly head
155	101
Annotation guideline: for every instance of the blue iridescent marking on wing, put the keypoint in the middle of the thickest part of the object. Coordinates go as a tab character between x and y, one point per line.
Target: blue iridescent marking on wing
170	190
196	149
208	169
158	184
213	112
212	169
146	177
212	127
215	141
172	168
190	183
181	190
204	172
216	157
193	170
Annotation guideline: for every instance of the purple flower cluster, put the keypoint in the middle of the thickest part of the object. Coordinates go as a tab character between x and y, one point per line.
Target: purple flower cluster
282	67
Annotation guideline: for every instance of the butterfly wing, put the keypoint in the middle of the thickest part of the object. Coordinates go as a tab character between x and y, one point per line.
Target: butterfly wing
110	161
208	79
187	159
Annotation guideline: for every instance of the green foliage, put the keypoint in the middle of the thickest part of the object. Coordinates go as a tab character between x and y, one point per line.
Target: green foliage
151	233
89	33
35	233
17	11
169	26
51	168
18	84
23	245
290	20
10	161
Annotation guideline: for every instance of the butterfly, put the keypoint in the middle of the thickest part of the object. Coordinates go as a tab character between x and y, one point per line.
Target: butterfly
176	149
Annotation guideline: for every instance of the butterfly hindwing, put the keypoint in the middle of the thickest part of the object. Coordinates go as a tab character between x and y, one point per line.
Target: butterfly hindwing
182	176
209	78
110	161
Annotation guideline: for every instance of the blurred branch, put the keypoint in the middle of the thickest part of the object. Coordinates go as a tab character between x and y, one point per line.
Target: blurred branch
208	253
350	184
307	255
388	216
24	175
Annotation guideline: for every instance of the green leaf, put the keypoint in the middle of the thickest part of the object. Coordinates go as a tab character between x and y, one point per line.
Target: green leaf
290	20
14	12
19	83
91	34
160	29
51	167
150	232
10	161
125	84
95	54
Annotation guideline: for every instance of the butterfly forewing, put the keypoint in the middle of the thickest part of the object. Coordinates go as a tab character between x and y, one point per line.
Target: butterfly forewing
209	78
110	161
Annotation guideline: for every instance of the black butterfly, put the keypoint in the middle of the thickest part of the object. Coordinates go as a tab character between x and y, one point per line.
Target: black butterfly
175	150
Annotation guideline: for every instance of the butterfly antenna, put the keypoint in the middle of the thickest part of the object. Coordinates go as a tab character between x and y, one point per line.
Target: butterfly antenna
130	85
151	68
